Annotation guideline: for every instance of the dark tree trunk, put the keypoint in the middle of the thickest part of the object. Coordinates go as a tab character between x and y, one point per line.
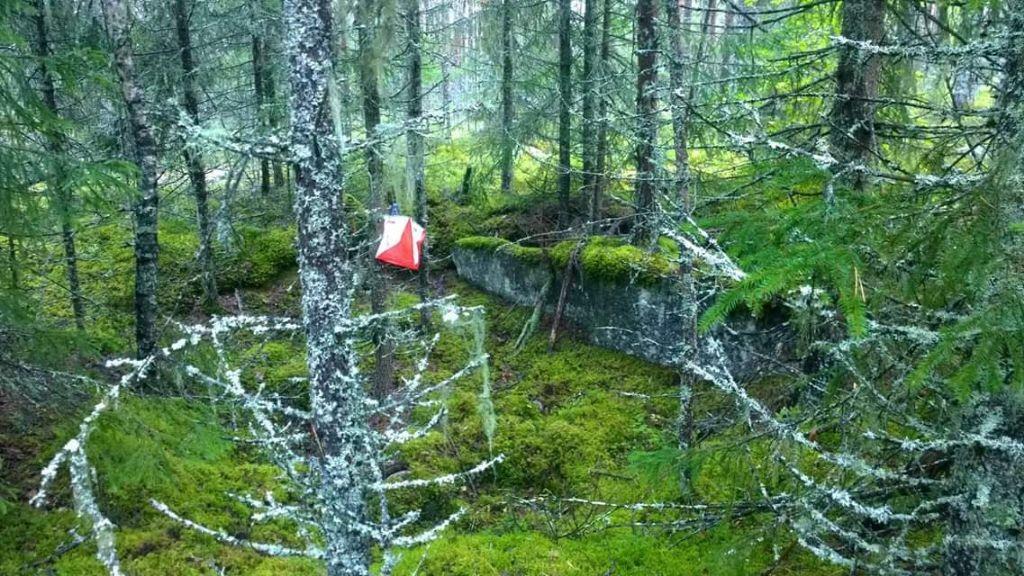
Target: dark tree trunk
599	183
414	141
368	22
507	144
677	100
193	157
590	55
57	147
853	112
146	203
564	101
12	262
647	120
259	87
337	399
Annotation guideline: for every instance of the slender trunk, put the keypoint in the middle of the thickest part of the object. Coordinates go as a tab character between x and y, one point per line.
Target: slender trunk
337	399
507	144
590	54
414	142
368	13
193	156
647	120
601	152
12	262
676	73
446	96
259	87
852	117
56	145
146	203
564	101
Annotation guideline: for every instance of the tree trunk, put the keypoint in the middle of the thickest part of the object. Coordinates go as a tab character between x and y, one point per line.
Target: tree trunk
564	101
853	112
594	211
56	145
146	203
647	120
984	526
12	262
194	157
259	87
507	144
414	142
368	15
676	73
590	55
337	398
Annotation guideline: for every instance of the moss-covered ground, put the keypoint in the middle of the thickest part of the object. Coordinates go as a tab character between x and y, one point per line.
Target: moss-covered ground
575	422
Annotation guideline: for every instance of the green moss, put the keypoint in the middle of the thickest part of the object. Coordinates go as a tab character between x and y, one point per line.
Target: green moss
490	243
601	258
261	256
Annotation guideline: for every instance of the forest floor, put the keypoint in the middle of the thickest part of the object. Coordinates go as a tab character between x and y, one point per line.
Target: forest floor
576	422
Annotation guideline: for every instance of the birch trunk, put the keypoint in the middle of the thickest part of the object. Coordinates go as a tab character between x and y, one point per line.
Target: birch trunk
193	156
337	398
146	203
57	147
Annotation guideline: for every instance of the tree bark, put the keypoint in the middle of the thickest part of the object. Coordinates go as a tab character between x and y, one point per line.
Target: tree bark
259	87
676	73
564	101
990	513
368	22
594	210
647	120
507	144
590	55
57	146
146	203
337	398
852	117
194	157
414	143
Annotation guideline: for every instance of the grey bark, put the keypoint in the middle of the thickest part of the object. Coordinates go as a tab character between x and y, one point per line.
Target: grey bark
146	203
590	55
852	137
507	144
337	398
564	102
57	147
991	510
647	121
594	211
677	104
193	156
414	142
259	87
368	13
